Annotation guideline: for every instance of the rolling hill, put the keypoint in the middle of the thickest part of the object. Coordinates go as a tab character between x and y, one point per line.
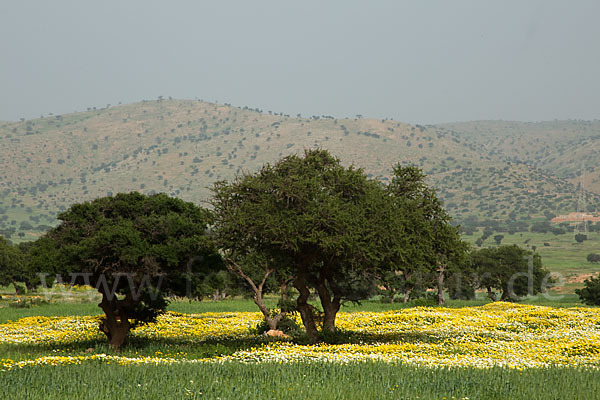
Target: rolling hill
562	148
481	170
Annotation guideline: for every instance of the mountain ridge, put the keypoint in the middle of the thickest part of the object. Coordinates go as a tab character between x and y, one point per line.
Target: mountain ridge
182	146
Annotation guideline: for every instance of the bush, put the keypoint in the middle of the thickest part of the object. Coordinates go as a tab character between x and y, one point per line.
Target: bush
423	302
464	292
426	299
590	293
580	237
593	257
541	227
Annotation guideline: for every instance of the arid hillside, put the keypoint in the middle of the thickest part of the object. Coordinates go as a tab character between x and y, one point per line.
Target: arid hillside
182	146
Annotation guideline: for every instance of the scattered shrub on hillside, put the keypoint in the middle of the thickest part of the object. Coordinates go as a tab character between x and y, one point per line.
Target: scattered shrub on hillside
593	257
541	227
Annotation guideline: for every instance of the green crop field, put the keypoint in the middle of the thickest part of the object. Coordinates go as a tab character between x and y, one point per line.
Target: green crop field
374	357
561	254
297	381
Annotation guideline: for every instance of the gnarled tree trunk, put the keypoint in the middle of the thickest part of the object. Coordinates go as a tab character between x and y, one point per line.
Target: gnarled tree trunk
116	325
406	297
331	306
491	294
440	284
304	308
271	321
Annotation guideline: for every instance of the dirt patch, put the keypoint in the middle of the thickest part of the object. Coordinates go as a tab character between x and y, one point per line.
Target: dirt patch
580	278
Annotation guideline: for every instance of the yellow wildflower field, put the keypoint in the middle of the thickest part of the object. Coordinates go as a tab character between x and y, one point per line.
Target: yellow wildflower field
497	334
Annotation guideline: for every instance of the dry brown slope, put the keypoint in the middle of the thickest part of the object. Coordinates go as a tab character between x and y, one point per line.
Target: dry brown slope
182	147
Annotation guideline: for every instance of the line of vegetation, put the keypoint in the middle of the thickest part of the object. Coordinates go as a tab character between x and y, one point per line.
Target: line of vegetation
306	227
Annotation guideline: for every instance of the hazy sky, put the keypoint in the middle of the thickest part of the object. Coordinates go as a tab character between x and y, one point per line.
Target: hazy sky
416	61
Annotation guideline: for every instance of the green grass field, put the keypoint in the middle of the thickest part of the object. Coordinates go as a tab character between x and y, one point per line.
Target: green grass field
234	380
561	254
296	381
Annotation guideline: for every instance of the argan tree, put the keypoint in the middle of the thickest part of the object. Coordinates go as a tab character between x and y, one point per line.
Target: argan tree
134	249
426	244
311	219
512	270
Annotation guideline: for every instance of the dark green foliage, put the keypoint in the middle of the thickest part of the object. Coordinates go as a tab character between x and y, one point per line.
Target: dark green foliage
133	246
12	264
593	257
487	232
580	237
514	271
541	227
590	293
422	243
308	219
498	239
462	281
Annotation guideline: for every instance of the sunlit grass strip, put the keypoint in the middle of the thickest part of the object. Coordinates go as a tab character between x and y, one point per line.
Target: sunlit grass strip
7	364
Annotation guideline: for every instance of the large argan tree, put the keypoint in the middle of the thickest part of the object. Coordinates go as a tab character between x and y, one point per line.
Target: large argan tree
134	249
311	219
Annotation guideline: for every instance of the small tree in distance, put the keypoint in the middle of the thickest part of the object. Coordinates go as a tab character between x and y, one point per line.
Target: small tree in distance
593	257
498	239
514	271
580	237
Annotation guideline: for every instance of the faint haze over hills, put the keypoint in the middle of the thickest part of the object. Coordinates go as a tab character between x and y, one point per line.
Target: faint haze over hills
490	172
417	62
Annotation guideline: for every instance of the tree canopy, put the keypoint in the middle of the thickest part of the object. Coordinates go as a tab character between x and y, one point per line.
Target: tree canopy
134	249
511	269
330	228
423	243
308	217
